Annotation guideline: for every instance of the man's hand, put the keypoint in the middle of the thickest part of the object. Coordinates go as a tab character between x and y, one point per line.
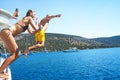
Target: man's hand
58	15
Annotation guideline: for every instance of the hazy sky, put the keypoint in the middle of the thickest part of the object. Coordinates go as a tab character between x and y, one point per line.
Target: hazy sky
86	18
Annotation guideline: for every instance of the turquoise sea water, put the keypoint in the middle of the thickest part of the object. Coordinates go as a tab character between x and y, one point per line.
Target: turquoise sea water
94	64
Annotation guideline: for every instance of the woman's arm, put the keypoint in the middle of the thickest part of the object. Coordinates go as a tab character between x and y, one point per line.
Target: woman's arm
32	23
32	32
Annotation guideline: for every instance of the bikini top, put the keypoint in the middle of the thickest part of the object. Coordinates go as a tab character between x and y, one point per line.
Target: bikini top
24	27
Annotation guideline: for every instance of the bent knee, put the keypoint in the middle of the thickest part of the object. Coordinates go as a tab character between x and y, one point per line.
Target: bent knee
17	53
39	45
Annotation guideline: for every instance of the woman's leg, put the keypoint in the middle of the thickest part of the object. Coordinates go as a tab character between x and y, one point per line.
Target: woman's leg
11	46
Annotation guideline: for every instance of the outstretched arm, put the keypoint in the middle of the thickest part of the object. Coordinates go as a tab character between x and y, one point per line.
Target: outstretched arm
45	21
52	16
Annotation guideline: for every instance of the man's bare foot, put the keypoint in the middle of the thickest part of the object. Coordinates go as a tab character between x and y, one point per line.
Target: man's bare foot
2	75
26	52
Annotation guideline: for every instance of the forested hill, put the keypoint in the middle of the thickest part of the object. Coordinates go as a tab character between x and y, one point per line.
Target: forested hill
111	41
59	42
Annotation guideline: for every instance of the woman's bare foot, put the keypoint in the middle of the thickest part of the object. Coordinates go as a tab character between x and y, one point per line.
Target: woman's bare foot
26	52
2	75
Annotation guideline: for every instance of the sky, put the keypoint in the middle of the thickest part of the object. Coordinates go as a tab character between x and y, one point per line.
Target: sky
85	18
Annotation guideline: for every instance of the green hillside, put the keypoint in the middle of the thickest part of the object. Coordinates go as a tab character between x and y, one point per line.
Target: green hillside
59	42
110	41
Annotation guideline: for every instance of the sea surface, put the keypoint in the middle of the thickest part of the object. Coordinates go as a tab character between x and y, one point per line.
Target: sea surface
94	64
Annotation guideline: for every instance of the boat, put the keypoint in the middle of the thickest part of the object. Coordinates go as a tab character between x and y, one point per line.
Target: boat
5	16
74	49
7	70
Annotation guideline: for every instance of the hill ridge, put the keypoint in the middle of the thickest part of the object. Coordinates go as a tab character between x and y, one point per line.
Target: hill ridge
59	42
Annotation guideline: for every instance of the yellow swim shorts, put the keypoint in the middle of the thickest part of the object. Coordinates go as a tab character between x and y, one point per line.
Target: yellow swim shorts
40	36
